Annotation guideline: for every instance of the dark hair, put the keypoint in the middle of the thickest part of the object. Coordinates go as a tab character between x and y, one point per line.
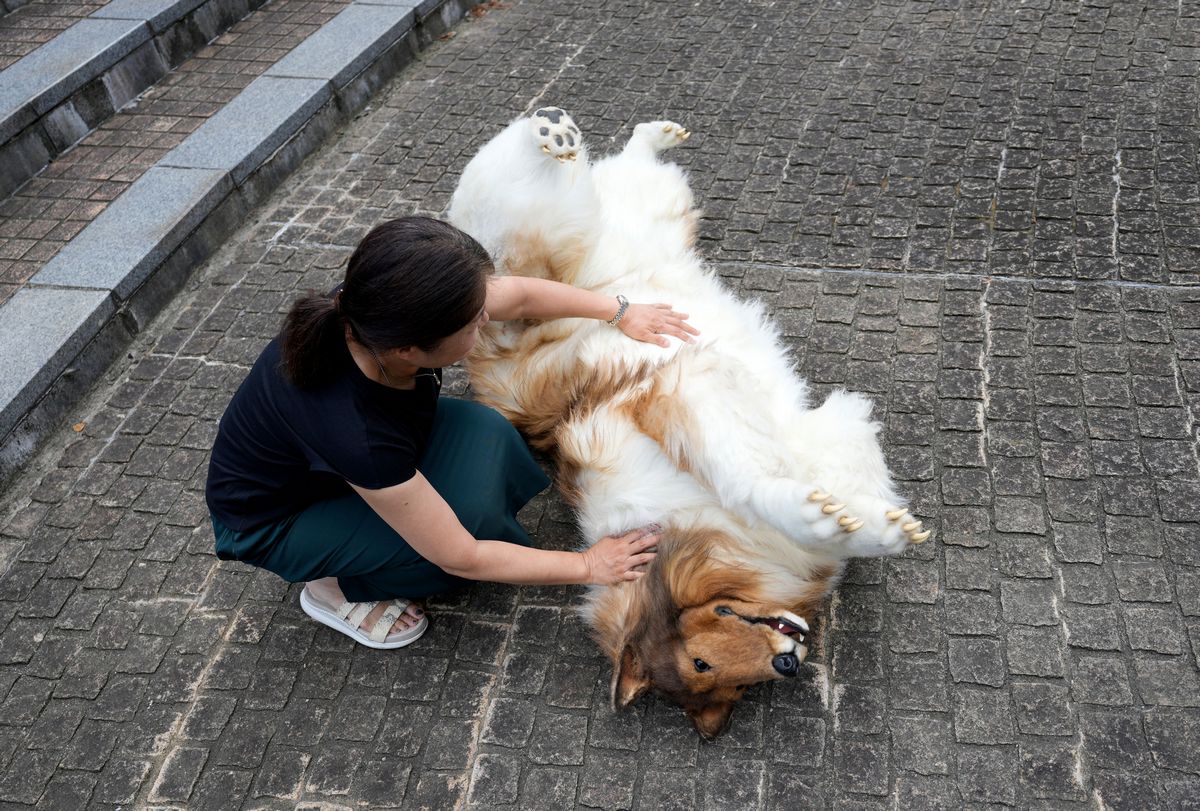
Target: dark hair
411	282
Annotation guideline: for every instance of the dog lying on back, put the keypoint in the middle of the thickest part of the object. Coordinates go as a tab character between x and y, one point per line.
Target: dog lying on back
762	497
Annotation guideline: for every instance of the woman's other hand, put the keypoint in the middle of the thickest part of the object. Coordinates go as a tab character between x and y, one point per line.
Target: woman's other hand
618	558
653	322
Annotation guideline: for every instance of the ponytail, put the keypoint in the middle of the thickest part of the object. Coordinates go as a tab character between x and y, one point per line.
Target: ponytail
311	340
411	282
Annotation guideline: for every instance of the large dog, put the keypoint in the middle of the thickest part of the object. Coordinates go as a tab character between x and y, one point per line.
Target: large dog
761	496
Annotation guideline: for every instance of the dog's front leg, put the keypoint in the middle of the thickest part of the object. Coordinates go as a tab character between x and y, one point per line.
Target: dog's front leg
813	517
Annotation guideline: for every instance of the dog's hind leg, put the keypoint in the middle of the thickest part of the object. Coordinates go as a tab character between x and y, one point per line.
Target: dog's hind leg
651	137
734	448
528	197
647	196
555	133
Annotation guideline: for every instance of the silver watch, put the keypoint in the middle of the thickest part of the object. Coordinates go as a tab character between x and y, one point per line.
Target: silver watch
624	305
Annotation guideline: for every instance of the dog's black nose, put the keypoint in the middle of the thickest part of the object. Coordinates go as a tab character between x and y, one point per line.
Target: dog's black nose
787	664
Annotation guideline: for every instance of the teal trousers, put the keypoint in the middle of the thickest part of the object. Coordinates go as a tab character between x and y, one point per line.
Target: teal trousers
475	459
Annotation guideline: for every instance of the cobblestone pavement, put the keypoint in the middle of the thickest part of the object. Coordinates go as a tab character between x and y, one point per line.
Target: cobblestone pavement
45	213
985	217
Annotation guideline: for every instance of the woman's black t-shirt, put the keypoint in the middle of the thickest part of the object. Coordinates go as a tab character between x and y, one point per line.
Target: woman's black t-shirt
280	448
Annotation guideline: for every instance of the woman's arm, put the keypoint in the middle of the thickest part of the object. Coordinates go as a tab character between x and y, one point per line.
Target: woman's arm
423	518
512	297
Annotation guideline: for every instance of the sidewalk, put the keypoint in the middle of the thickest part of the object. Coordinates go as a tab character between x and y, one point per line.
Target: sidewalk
986	219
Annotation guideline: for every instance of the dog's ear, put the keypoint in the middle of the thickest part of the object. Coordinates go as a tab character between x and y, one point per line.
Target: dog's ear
629	679
712	720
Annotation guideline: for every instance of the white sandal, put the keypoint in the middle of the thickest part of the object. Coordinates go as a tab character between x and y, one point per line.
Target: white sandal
346	617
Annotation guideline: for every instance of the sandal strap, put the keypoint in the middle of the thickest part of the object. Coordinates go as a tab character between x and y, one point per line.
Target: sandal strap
359	611
385	622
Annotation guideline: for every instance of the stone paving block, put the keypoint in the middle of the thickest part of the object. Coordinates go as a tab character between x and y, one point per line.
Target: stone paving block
280	774
922	744
982	716
405	729
548	789
987	775
251	127
1034	652
671	789
1049	769
178	775
381	781
1169	735
1168	681
125	244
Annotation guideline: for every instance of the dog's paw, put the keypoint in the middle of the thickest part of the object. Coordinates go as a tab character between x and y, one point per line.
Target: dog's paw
869	527
661	135
555	133
822	516
914	531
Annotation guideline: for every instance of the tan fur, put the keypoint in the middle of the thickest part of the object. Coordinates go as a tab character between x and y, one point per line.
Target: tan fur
531	254
658	415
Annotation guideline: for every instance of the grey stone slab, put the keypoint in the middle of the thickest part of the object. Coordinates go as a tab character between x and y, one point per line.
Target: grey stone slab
37	83
20	159
158	13
41	331
138	231
133	74
250	128
65	126
347	44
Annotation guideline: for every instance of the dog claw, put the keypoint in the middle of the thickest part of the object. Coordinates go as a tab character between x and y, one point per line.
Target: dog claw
911	526
666	127
818	495
920	537
830	509
853	526
896	515
846	519
684	135
546	149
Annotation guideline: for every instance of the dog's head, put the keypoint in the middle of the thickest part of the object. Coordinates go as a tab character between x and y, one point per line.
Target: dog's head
700	633
706	658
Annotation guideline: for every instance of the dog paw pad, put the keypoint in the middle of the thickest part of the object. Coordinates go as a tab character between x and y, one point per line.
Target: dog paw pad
555	133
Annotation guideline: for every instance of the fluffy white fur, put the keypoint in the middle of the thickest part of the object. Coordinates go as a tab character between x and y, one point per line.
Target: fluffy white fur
755	448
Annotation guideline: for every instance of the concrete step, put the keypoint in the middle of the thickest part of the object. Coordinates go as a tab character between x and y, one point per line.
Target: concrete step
56	94
107	282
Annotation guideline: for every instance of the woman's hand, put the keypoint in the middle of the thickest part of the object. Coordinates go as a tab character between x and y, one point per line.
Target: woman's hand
617	558
652	322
